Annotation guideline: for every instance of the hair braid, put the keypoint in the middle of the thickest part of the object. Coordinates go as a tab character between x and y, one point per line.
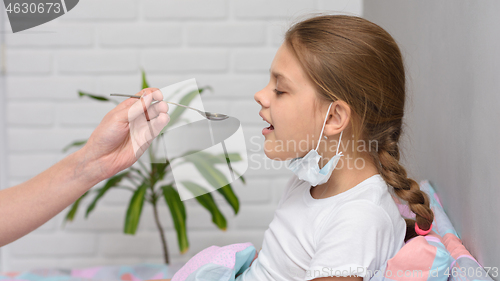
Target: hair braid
395	175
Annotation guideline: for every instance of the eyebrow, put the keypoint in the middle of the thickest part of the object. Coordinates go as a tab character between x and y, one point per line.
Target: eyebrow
278	75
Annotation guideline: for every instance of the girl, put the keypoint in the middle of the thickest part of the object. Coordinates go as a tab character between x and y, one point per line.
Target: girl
337	77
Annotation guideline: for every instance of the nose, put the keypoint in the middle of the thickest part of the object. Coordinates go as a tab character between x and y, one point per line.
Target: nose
261	98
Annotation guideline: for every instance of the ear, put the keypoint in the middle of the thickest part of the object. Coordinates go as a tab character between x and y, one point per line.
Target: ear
338	118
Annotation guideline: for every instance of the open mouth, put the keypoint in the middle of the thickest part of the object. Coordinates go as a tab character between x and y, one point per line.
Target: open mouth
271	127
267	130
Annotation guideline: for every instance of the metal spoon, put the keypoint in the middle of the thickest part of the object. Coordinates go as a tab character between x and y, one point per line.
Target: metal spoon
206	114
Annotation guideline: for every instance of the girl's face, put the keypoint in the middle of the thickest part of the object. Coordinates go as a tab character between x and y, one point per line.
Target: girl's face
288	104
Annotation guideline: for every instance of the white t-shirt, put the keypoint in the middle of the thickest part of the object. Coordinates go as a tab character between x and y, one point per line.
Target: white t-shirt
354	232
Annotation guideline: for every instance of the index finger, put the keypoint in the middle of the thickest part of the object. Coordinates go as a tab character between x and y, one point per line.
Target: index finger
142	105
157	95
139	107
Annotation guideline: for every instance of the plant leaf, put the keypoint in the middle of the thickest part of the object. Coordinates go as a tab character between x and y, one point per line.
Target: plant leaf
144	82
135	209
96	97
159	170
228	193
72	212
112	182
207	201
215	178
202	155
174	93
240	177
178	212
202	89
75	143
234	156
185	100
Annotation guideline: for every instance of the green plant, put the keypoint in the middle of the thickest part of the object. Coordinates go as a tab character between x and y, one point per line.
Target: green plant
145	184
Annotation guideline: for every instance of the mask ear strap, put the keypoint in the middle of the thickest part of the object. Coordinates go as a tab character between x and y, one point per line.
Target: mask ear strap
339	143
324	122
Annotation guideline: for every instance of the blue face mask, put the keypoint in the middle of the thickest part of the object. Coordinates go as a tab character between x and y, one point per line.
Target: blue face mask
306	168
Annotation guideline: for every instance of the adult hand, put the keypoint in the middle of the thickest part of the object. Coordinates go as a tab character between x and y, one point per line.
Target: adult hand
125	133
120	139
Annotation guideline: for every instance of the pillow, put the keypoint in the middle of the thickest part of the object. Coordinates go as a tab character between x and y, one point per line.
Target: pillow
421	258
143	271
464	265
439	255
217	263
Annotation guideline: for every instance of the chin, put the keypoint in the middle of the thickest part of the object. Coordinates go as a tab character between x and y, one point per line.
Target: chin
278	156
273	155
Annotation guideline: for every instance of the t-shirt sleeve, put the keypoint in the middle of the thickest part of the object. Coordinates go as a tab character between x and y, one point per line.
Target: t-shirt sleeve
353	240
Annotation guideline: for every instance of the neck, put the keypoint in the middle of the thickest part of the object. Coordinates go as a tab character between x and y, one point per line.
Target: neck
345	176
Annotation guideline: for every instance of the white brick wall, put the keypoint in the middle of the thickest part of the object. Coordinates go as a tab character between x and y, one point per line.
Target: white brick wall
100	47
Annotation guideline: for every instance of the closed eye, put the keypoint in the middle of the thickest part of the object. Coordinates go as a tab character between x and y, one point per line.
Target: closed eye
278	92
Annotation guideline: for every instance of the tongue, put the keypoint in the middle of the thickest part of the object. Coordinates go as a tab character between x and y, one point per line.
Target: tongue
271	127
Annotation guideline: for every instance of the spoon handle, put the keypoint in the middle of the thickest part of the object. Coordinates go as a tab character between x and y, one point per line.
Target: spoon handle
138	97
186	107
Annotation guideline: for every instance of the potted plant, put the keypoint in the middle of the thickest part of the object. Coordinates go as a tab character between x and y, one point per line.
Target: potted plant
145	184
